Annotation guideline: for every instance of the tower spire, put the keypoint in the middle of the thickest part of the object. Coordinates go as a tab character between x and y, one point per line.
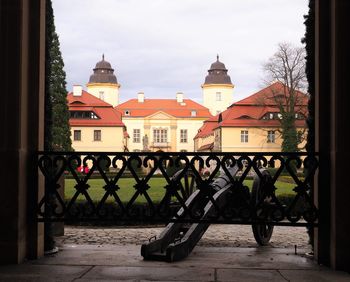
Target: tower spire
217	57
103	56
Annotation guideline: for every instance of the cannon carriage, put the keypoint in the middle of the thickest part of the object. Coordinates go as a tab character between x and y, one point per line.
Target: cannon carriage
223	196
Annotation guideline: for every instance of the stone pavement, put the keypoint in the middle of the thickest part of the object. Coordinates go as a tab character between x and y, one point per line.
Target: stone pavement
225	253
216	236
124	263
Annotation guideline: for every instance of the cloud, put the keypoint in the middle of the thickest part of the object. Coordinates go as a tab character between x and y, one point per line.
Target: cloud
162	46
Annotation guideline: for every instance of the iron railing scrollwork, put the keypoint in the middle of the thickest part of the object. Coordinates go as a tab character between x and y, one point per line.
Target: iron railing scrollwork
129	187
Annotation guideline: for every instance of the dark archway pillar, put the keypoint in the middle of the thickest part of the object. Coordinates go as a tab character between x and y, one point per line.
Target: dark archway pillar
332	131
22	56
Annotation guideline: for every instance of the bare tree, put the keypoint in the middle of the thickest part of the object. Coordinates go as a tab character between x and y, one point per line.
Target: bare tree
286	68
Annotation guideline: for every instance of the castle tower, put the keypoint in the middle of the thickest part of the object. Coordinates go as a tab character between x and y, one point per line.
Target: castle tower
217	88
103	83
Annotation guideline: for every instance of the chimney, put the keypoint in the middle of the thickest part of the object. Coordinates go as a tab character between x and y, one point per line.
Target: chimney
180	97
77	90
141	97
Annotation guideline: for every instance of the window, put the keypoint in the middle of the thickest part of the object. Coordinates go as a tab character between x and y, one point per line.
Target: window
93	116
82	115
193	113
136	137
77	135
183	136
299	116
271	136
97	135
160	135
272	116
102	95
244	136
245	117
127	112
218	96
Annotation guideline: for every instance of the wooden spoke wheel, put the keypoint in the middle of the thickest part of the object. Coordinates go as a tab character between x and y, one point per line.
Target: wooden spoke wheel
188	183
262	232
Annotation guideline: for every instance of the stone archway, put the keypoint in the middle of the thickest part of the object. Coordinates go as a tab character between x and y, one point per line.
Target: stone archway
22	33
21	122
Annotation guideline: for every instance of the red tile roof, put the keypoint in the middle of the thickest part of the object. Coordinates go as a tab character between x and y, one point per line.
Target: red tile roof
108	116
210	124
267	96
206	147
206	129
86	99
250	111
168	106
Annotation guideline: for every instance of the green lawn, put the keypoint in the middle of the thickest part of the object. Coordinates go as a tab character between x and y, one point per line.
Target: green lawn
156	190
126	191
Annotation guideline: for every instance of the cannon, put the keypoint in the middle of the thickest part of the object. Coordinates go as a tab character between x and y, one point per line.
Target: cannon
178	239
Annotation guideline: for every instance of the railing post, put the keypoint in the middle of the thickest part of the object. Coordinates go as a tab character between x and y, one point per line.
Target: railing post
49	241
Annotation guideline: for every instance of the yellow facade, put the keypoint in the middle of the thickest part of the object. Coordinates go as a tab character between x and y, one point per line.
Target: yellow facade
107	92
112	139
161	121
217	97
231	139
199	142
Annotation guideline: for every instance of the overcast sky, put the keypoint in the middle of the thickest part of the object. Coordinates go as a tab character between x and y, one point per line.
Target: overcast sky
162	47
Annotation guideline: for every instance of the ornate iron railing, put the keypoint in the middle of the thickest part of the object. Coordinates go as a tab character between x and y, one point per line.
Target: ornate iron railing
142	187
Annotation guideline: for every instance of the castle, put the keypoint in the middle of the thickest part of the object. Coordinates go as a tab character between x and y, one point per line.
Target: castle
99	122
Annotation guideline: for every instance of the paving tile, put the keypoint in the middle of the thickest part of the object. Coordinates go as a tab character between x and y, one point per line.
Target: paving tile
251	275
261	260
105	280
315	275
265	258
29	272
151	273
124	263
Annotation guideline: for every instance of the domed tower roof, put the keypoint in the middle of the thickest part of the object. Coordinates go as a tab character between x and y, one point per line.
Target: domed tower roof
103	73
217	74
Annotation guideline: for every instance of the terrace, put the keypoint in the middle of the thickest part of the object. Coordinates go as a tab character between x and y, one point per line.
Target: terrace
22	34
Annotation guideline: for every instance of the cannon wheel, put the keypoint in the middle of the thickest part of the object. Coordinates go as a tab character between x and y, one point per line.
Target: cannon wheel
188	183
262	232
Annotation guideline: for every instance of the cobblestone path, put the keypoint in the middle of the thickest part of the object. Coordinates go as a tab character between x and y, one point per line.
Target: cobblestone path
216	236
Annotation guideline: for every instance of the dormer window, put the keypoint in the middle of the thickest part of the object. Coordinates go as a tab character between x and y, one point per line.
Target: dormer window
193	113
299	116
271	116
93	115
245	117
127	112
83	115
